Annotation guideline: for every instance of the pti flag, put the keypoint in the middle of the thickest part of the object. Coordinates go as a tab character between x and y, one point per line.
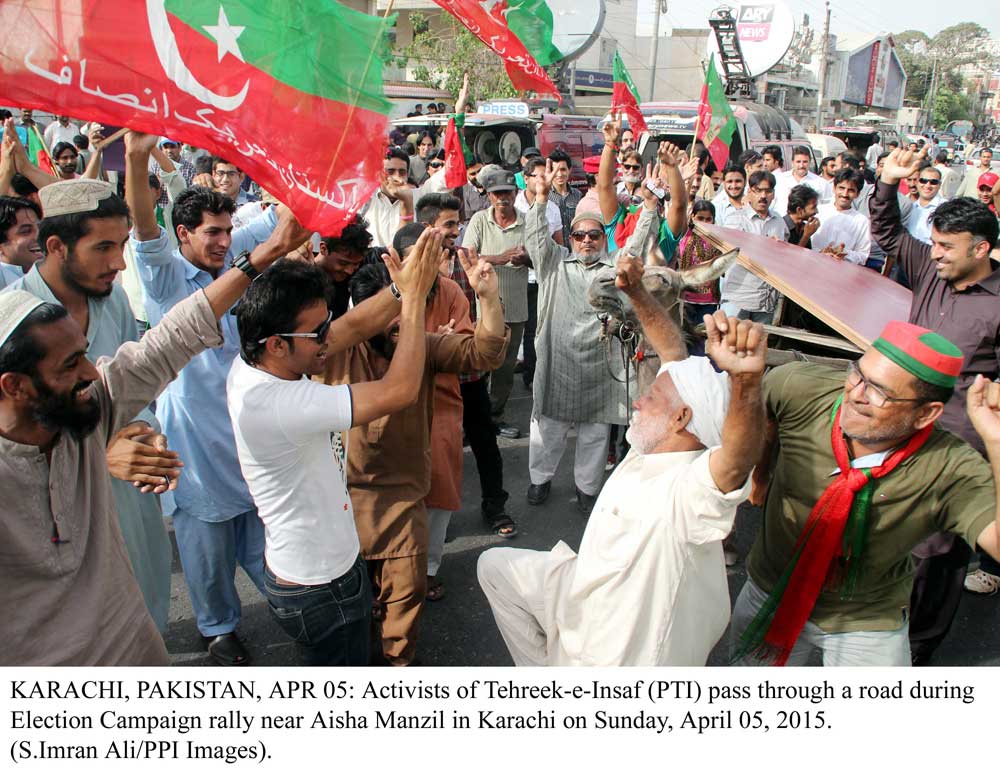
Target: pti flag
288	90
486	20
38	153
716	123
456	155
625	97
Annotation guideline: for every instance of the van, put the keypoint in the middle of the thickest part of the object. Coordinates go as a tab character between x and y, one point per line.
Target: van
859	139
499	139
757	126
824	145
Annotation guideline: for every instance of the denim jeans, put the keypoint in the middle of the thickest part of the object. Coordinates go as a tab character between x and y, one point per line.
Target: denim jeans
331	623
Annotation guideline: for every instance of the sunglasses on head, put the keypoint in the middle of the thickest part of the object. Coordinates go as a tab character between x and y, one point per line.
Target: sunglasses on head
594	234
928	181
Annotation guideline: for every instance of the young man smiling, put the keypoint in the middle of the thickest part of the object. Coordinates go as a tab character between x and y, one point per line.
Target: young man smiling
844	232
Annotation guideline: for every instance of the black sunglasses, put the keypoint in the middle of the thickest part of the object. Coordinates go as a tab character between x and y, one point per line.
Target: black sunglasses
929	181
594	234
631	166
319	334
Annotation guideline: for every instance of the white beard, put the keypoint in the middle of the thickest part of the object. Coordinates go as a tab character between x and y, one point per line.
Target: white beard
642	436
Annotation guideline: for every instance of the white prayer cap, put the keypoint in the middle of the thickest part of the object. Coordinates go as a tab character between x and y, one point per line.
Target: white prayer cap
15	305
706	392
71	196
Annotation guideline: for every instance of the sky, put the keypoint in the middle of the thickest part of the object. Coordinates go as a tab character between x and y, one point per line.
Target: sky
868	16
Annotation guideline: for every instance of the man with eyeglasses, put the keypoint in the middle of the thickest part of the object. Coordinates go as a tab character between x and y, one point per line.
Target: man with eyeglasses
214	517
228	179
861	475
289	434
955	287
928	199
572	385
744	295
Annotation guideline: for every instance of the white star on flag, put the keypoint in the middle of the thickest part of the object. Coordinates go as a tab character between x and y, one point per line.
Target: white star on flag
225	35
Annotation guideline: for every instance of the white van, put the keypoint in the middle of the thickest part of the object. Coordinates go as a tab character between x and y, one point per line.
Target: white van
824	145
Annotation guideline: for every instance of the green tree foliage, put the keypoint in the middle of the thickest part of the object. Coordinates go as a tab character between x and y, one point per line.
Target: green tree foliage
442	52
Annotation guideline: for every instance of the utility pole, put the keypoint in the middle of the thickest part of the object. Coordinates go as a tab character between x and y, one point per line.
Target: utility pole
659	8
931	95
823	63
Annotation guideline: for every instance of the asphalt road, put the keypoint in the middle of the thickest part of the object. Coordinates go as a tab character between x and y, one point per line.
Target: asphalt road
459	630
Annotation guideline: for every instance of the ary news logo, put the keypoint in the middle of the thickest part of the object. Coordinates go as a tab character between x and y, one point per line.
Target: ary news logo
754	24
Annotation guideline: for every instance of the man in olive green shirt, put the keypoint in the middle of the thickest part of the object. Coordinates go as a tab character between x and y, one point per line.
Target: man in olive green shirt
944	485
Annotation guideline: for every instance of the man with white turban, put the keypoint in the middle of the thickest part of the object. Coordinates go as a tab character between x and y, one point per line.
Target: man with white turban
648	586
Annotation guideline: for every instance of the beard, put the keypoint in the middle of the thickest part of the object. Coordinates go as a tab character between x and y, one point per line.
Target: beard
643	436
632	179
73	277
61	411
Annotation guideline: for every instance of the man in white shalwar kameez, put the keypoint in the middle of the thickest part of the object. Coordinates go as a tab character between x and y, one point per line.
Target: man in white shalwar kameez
648	586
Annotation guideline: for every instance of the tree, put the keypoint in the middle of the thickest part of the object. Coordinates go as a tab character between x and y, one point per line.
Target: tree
952	47
440	56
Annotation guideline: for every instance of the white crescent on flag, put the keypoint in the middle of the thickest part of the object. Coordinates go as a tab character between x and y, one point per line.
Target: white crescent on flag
173	65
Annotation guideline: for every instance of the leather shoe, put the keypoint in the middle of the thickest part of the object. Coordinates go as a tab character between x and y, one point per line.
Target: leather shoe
227	650
539	493
585	502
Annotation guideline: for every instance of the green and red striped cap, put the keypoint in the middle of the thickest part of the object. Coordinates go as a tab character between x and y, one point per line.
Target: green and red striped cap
927	355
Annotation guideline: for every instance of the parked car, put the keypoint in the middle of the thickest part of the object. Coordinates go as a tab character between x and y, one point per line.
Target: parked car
859	139
972	159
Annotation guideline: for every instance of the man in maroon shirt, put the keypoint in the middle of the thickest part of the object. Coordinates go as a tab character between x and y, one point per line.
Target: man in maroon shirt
955	293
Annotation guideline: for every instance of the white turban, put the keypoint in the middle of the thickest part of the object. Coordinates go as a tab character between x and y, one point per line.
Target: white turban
706	393
15	305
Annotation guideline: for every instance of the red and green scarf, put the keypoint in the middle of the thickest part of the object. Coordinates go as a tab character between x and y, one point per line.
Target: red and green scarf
828	553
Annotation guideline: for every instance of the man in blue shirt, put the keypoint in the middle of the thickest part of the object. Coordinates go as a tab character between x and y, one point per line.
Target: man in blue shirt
215	520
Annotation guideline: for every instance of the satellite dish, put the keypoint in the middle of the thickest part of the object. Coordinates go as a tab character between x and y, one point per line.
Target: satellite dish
510	148
575	26
765	32
486	147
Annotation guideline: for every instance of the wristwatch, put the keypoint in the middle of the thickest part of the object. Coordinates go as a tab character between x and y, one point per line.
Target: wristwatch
242	263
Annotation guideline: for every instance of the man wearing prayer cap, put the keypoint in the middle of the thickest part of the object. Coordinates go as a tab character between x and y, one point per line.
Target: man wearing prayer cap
861	476
68	595
82	239
648	586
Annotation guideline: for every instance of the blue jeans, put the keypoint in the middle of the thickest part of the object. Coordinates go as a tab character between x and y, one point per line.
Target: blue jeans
209	551
331	623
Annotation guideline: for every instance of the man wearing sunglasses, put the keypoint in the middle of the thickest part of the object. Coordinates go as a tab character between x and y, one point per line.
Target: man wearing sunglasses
572	385
288	433
861	460
928	199
955	287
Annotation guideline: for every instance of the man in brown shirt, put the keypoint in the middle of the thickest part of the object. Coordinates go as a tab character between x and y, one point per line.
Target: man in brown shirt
955	293
389	459
68	595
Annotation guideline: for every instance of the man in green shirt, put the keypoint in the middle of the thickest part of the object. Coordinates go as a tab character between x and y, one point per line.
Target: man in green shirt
831	565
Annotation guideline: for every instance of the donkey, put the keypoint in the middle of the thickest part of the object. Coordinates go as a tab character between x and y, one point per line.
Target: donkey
666	286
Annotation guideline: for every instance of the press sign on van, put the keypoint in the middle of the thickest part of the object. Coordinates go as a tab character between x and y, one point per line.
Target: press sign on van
510	109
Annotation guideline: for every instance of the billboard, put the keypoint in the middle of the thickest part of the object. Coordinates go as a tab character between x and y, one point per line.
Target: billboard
765	31
874	76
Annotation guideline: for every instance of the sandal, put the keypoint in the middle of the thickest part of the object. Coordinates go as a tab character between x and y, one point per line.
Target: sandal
227	650
502	525
435	589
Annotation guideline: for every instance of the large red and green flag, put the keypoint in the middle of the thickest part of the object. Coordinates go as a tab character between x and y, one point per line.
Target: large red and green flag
456	154
625	97
288	90
486	20
716	123
38	153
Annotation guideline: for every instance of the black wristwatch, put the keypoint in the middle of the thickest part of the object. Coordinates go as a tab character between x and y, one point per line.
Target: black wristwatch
242	263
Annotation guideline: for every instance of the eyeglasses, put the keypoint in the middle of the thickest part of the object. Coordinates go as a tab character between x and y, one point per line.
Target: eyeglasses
319	334
436	164
226	173
593	235
873	394
928	181
633	167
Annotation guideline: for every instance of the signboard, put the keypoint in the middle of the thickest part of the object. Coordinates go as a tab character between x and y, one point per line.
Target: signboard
765	31
506	109
594	80
874	76
878	73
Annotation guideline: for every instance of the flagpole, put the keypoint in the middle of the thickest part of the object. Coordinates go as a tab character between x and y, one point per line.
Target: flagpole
697	118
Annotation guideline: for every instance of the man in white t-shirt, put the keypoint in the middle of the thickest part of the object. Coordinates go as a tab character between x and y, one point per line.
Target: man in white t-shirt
844	232
288	436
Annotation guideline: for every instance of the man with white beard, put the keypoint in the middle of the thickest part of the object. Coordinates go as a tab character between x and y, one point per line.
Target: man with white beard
648	587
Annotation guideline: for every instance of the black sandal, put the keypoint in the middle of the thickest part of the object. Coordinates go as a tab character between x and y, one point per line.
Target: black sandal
502	521
227	650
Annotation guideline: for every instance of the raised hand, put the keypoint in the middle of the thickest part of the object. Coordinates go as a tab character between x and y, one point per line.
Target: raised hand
544	180
982	403
418	273
138	142
690	168
612	130
900	164
735	346
668	154
482	277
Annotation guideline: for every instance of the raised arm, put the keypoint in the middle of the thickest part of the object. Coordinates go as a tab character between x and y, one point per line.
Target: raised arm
738	347
606	172
649	218
886	221
138	195
659	329
398	388
670	158
541	247
22	164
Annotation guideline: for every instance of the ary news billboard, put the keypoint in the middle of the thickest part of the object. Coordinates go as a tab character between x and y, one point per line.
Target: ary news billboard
874	76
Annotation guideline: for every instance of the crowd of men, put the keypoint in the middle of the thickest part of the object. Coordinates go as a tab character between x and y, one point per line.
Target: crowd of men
298	404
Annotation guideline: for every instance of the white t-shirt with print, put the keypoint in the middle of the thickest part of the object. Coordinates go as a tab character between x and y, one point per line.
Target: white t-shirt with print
288	436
